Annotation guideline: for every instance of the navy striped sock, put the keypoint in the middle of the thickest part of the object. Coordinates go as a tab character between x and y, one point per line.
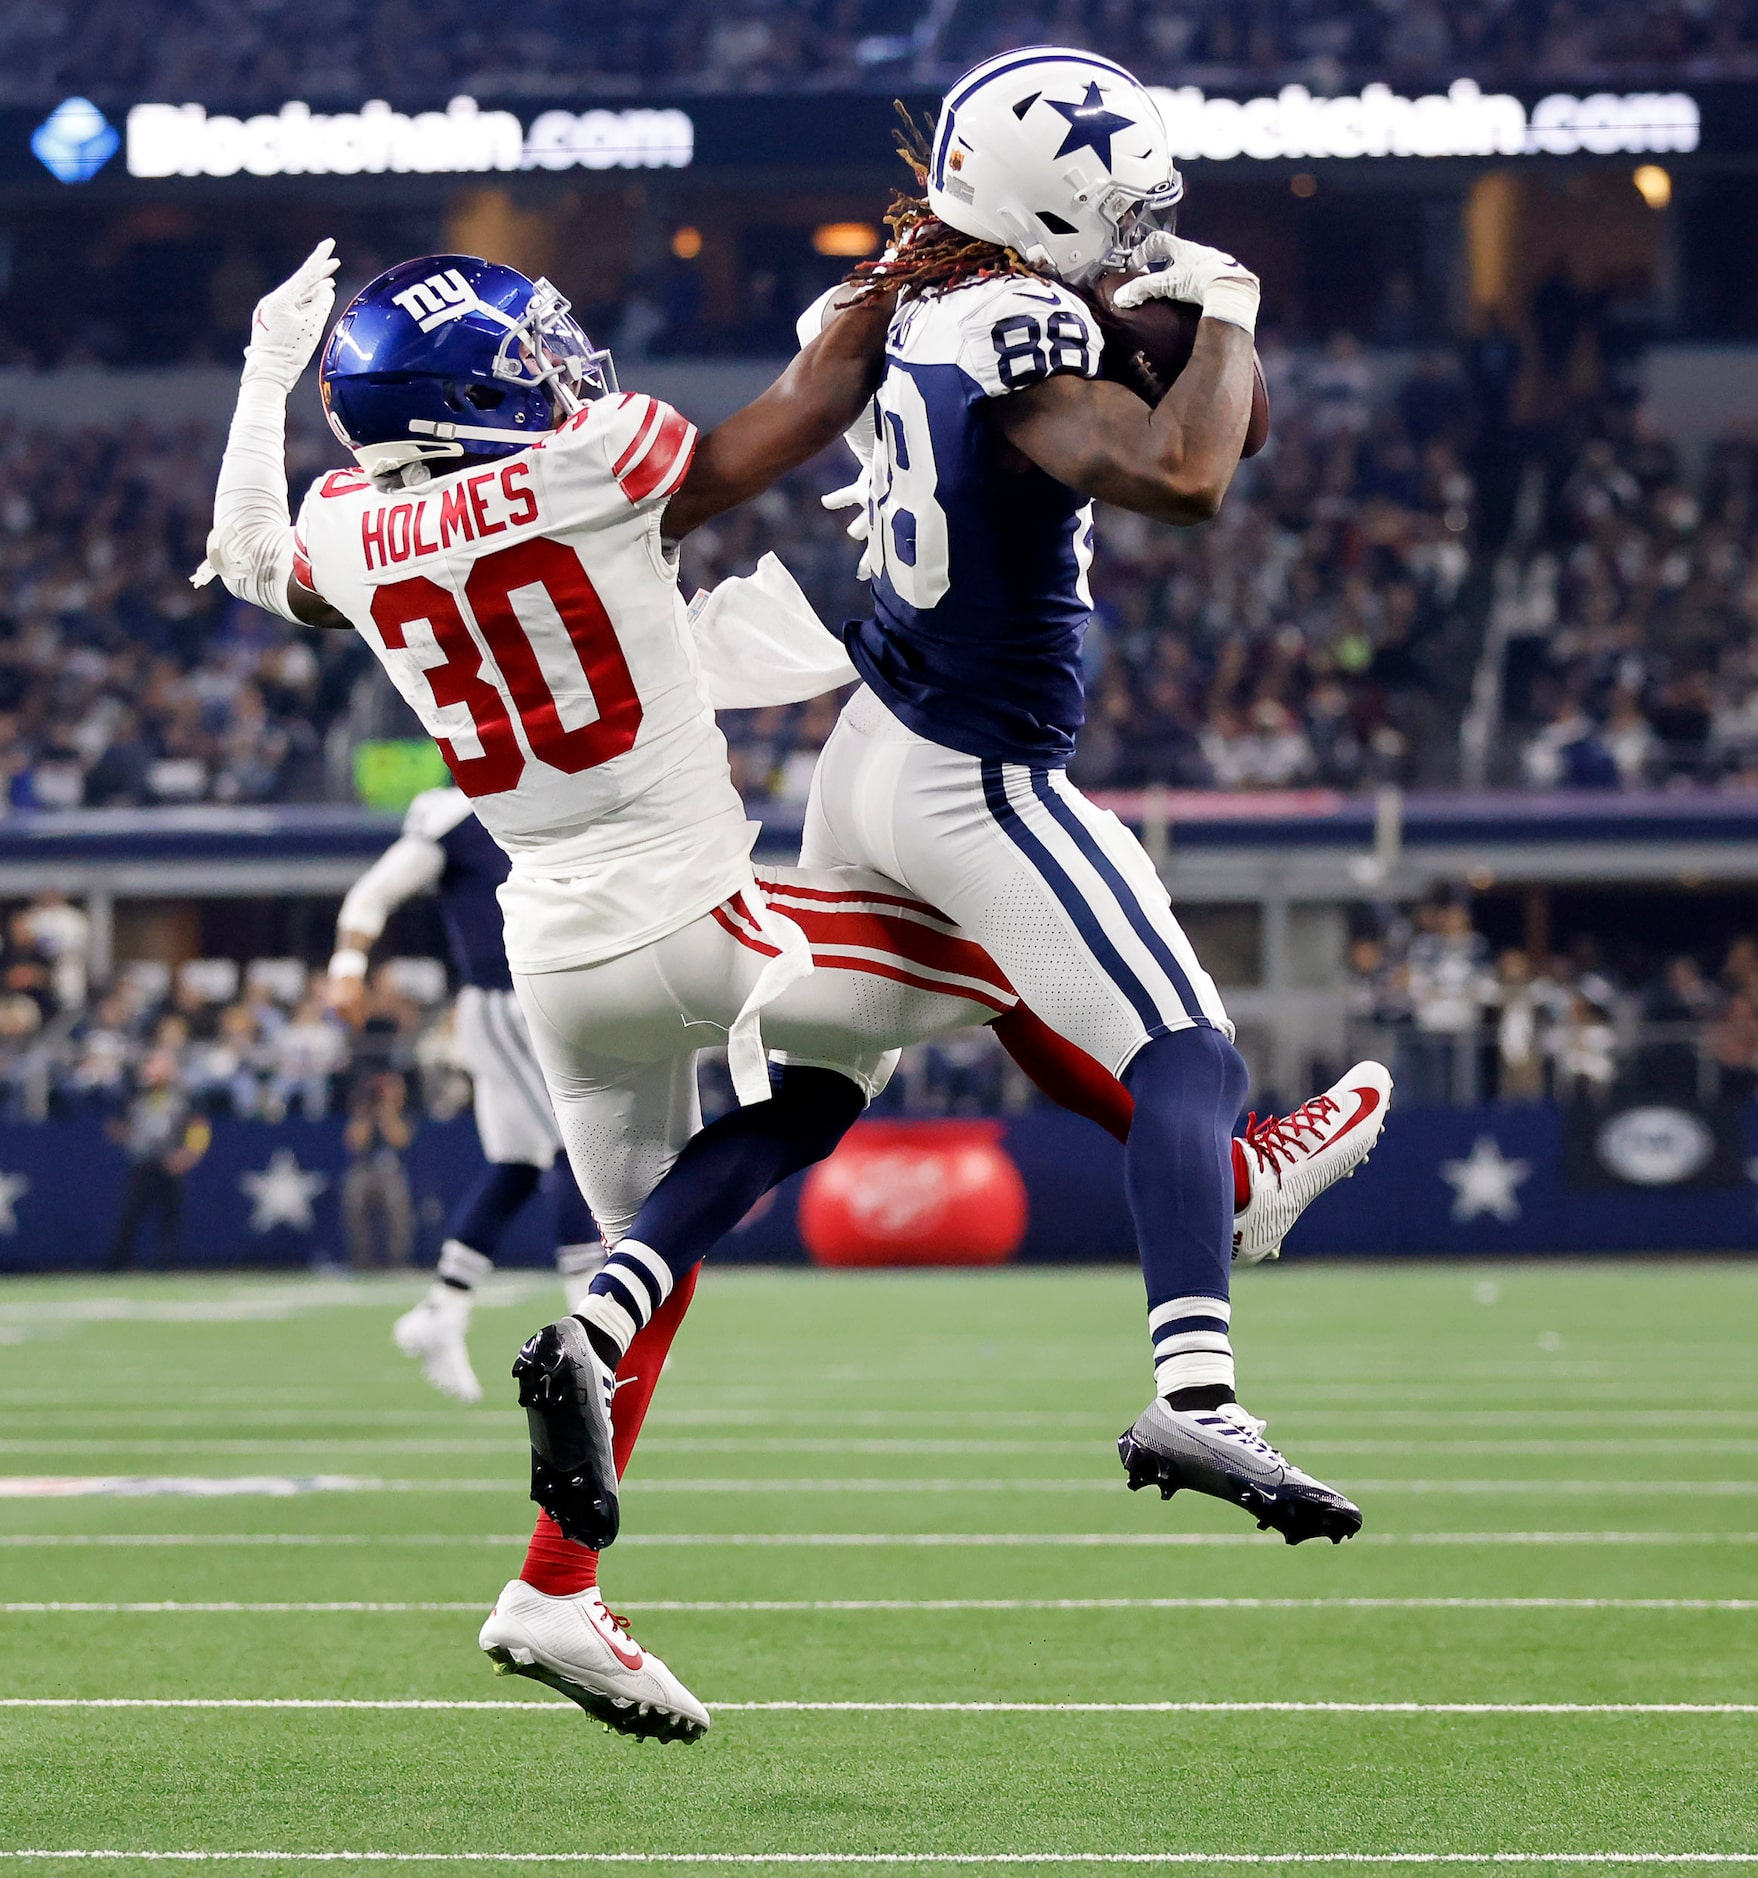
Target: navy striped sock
632	1284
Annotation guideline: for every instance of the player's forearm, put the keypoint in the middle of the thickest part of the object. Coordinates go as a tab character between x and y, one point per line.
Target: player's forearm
251	545
1198	429
407	867
809	406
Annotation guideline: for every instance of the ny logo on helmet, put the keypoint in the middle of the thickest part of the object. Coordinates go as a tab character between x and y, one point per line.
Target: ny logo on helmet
441	297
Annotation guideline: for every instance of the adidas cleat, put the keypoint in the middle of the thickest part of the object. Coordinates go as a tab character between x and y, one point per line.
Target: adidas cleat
586	1653
1222	1452
433	1333
1293	1158
565	1389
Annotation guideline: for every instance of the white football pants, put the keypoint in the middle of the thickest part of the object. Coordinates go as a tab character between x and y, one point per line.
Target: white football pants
1058	892
617	1041
513	1116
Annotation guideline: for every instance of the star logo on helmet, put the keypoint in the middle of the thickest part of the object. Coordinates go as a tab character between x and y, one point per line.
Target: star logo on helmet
1090	125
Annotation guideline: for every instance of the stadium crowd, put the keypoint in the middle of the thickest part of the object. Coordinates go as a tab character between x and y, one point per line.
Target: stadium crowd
1323	631
329	50
1462	1022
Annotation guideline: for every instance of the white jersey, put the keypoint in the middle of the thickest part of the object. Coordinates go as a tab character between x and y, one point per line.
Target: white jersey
529	615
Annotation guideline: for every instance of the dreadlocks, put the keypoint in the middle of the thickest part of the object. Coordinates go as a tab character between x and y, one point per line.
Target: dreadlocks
927	258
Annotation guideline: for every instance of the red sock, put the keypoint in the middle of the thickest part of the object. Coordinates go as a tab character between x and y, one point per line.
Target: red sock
561	1568
556	1566
1241	1177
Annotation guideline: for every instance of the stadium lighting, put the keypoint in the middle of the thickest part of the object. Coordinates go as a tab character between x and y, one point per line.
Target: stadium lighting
845	240
1653	184
1304	184
686	243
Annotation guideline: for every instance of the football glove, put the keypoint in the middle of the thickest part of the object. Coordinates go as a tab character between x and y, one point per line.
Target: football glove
860	528
290	320
1186	270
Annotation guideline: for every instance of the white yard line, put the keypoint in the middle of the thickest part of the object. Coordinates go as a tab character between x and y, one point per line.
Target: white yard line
278	1486
854	1444
328	1703
949	1540
1040	1859
59	1607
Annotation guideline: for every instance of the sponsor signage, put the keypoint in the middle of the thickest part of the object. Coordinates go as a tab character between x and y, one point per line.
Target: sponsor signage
1462	121
183	140
155	141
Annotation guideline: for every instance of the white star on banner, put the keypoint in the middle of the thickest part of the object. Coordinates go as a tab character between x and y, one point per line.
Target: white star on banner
1484	1182
13	1188
281	1195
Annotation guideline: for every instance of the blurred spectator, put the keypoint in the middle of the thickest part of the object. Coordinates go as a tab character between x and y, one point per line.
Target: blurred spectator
1524	1005
163	1138
1583	1047
378	1213
1449	987
338	55
303	1056
1732	1041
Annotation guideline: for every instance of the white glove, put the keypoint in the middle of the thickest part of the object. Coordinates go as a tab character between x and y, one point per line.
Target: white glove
290	320
1186	270
855	496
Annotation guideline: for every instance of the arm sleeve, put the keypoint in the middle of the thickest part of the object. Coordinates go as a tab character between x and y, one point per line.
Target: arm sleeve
252	546
410	865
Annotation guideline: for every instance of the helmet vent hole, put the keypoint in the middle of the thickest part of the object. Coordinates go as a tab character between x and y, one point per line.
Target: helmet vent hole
1056	224
485	397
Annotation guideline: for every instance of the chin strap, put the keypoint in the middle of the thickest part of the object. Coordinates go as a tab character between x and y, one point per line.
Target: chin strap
476	433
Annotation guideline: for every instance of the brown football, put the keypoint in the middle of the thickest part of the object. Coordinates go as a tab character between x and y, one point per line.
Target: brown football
1148	346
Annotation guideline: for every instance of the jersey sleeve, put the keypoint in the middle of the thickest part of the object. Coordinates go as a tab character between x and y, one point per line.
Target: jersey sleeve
433	814
647	444
1018	332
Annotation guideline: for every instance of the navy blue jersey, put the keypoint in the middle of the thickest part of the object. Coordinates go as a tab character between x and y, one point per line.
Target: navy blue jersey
980	595
474	865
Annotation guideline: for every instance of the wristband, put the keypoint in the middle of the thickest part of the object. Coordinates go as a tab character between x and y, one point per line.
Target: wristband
348	962
1233	300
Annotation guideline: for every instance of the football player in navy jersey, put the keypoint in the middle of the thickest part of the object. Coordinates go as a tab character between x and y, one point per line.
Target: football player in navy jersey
992	434
444	849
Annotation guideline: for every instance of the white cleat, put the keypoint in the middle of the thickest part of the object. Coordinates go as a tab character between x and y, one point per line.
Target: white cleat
433	1333
1293	1158
579	1648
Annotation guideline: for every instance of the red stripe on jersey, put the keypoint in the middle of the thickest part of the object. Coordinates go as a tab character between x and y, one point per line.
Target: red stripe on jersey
719	916
638	440
901	939
661	458
301	563
830	961
791	889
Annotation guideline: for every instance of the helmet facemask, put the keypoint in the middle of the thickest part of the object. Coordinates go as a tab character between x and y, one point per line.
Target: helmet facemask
546	347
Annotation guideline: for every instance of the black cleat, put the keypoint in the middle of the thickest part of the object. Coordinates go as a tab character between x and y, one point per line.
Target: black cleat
1222	1452
565	1389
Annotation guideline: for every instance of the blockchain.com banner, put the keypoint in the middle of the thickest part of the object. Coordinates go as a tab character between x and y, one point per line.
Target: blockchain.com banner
166	141
1038	1188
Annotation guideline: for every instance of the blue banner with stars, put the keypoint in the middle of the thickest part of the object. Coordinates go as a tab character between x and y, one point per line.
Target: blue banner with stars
1477	1182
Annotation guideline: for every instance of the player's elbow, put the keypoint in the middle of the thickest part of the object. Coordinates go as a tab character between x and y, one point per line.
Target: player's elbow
1186	500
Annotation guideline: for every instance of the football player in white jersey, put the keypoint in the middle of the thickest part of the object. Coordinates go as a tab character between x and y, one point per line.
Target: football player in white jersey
444	850
991	435
505	548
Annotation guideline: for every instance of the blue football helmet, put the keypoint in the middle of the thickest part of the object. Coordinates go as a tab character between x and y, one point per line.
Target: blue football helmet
454	356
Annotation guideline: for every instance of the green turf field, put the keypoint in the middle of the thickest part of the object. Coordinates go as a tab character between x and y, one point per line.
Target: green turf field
877	1522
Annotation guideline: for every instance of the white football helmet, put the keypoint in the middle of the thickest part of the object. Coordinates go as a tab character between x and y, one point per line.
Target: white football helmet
1057	154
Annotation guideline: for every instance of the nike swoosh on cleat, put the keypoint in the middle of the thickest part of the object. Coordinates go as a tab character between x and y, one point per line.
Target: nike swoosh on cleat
1368	1100
616	1649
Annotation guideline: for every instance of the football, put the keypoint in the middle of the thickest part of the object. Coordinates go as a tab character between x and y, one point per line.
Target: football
1149	345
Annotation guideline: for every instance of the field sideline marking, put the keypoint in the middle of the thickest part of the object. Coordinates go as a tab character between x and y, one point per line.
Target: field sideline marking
896	1708
922	1858
371	1607
283	1486
852	1444
950	1540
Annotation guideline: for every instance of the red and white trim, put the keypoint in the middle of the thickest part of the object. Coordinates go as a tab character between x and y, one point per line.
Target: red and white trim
887	935
657	457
